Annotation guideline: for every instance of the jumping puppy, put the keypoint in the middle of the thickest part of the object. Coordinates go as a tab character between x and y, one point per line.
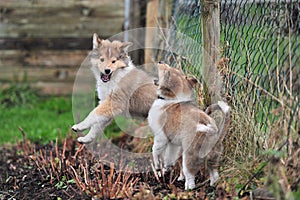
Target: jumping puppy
180	126
122	88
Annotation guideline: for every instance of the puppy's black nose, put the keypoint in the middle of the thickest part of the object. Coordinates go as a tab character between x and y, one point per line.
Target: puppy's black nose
161	62
107	71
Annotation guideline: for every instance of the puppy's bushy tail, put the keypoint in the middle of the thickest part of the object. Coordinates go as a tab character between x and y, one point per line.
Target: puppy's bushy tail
224	126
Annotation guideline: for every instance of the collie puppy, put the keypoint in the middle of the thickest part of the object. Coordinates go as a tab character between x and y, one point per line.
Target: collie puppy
122	88
180	127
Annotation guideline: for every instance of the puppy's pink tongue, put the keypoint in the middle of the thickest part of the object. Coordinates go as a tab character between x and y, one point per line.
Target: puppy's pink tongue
105	78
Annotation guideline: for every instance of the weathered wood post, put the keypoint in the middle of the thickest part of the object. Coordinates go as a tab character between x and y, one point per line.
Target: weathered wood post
151	21
210	19
158	18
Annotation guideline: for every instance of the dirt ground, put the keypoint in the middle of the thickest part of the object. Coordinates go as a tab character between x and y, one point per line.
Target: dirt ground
68	170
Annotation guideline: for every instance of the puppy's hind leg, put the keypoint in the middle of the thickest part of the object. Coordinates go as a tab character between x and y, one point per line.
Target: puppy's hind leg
172	153
213	163
189	176
213	175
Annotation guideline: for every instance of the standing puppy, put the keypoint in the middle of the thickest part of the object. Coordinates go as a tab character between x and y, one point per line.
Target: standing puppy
179	125
122	88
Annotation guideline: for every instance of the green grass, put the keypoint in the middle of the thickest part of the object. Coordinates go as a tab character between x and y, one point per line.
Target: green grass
42	120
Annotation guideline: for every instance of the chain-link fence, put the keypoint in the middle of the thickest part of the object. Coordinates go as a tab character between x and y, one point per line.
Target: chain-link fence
259	62
263	39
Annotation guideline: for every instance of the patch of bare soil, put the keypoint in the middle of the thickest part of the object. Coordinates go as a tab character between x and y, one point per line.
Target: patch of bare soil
70	171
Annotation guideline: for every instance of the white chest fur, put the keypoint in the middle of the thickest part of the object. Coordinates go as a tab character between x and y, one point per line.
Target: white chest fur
154	114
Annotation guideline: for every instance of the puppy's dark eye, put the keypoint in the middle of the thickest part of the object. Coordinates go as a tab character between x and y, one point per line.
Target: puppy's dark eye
102	59
113	61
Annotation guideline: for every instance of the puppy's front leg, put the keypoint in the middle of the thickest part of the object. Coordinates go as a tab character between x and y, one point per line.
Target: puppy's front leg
89	121
159	146
95	130
102	113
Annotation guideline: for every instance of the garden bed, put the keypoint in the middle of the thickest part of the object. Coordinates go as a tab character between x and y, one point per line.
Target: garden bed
68	170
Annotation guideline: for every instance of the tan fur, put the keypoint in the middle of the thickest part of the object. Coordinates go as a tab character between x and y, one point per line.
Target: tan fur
183	115
136	98
176	120
122	88
105	108
175	86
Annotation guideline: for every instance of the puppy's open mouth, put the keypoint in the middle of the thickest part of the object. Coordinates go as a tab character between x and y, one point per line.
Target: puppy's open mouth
105	77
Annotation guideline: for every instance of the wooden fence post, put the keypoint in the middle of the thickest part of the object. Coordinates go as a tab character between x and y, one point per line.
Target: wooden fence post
210	18
158	16
151	21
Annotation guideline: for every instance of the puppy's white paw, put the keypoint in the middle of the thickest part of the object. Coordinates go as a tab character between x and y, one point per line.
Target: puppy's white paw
159	174
75	128
78	128
181	177
84	140
189	185
213	176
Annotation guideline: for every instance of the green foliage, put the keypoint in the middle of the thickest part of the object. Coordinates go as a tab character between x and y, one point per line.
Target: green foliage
42	118
296	194
63	183
42	121
17	94
275	153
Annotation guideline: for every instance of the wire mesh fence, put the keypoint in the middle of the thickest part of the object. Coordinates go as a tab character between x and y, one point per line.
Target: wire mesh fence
264	49
261	41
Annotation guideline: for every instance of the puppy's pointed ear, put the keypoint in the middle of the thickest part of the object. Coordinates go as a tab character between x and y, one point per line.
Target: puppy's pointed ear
192	81
124	46
96	41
